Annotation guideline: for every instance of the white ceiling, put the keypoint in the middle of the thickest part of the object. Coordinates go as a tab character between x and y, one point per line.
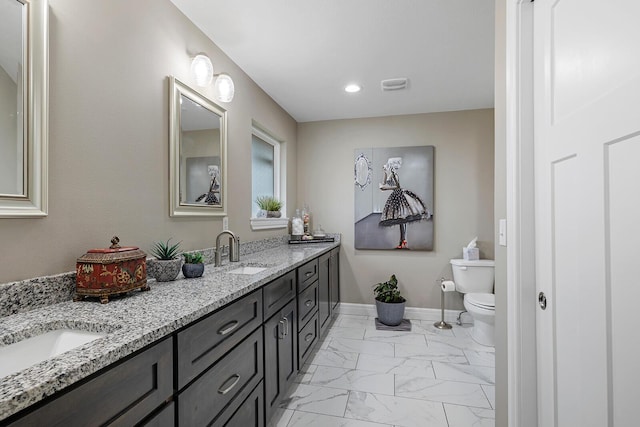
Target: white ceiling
303	52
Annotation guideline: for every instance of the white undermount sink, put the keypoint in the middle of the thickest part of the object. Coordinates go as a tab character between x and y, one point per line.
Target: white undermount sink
247	270
28	352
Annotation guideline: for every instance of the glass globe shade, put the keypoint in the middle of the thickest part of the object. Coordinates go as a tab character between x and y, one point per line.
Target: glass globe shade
202	70
224	88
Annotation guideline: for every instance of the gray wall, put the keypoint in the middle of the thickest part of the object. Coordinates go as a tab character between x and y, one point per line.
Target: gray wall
463	192
500	211
108	136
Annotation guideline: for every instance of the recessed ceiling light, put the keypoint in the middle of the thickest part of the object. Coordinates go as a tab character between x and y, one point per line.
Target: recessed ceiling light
352	88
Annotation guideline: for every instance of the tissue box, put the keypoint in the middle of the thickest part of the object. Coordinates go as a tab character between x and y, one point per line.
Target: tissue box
471	254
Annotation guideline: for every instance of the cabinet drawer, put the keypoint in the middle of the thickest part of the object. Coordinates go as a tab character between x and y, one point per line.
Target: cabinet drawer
250	412
307	274
121	396
234	377
278	293
203	343
307	304
307	337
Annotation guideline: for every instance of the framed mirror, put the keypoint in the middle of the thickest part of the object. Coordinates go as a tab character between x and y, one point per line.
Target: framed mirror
197	153
23	108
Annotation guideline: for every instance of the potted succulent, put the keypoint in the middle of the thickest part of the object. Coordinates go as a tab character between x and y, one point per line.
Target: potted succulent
389	303
270	205
193	265
167	264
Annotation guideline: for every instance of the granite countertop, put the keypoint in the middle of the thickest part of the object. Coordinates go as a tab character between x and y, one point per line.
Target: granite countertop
133	322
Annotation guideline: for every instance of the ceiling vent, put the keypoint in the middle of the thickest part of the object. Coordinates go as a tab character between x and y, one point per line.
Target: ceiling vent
394	84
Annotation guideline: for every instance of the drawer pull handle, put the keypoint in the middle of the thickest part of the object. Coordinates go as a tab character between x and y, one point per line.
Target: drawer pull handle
228	327
308	303
281	322
286	326
235	378
308	273
308	337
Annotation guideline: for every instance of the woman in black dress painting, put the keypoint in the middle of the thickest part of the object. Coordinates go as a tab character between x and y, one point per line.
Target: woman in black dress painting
211	197
402	206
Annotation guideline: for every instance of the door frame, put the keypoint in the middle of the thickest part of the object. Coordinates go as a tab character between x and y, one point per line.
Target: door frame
521	284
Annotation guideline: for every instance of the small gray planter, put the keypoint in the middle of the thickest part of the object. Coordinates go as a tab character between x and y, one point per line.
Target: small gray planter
165	270
390	313
191	271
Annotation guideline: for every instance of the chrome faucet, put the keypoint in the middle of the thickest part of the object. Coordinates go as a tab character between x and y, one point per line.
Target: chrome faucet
234	248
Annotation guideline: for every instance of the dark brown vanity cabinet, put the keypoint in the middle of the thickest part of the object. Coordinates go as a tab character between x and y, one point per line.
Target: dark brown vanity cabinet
229	368
123	395
328	287
280	355
334	277
324	290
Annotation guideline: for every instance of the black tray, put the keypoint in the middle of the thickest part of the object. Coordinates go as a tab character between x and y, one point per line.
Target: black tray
314	240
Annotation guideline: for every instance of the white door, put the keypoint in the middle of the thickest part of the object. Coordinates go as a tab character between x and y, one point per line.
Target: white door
587	175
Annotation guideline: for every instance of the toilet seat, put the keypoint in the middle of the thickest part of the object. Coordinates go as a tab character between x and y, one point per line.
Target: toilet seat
480	300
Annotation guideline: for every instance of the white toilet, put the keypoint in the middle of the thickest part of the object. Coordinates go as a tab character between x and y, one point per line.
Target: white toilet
475	280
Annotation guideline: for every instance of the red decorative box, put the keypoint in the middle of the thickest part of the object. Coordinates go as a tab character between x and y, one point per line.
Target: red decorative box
110	271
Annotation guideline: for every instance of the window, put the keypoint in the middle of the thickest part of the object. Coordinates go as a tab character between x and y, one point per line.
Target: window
267	176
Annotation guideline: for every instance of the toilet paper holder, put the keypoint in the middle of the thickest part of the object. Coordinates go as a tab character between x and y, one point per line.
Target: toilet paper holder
442	324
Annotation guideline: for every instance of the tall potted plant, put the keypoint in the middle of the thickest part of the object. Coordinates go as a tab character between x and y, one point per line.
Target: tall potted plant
167	264
389	303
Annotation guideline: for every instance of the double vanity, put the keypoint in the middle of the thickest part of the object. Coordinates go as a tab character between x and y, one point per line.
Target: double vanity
218	350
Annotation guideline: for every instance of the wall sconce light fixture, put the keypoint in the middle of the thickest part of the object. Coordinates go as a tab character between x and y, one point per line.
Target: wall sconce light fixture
202	73
202	70
224	88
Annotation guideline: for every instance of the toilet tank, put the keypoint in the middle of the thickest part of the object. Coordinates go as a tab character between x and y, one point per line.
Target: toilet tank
473	276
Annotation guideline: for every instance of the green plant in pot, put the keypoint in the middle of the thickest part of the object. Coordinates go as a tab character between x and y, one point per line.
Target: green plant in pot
193	265
166	266
270	205
389	303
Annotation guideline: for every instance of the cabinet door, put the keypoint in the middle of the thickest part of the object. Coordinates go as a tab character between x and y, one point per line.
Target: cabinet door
334	268
164	418
324	304
280	351
121	396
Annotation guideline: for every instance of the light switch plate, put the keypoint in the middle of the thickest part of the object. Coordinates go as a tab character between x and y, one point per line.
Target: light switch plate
502	233
225	223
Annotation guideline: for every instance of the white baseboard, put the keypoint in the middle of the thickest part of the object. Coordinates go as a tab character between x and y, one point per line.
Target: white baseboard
416	313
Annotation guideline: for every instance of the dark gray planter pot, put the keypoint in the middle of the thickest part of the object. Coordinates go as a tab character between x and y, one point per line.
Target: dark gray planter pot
390	313
274	214
192	270
165	270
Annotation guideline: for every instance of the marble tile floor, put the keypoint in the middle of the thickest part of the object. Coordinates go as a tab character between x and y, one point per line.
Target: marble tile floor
362	377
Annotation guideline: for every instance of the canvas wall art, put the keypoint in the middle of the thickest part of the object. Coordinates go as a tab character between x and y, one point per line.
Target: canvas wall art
394	198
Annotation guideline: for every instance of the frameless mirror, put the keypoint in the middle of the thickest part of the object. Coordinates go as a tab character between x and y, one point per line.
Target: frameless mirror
198	145
23	108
